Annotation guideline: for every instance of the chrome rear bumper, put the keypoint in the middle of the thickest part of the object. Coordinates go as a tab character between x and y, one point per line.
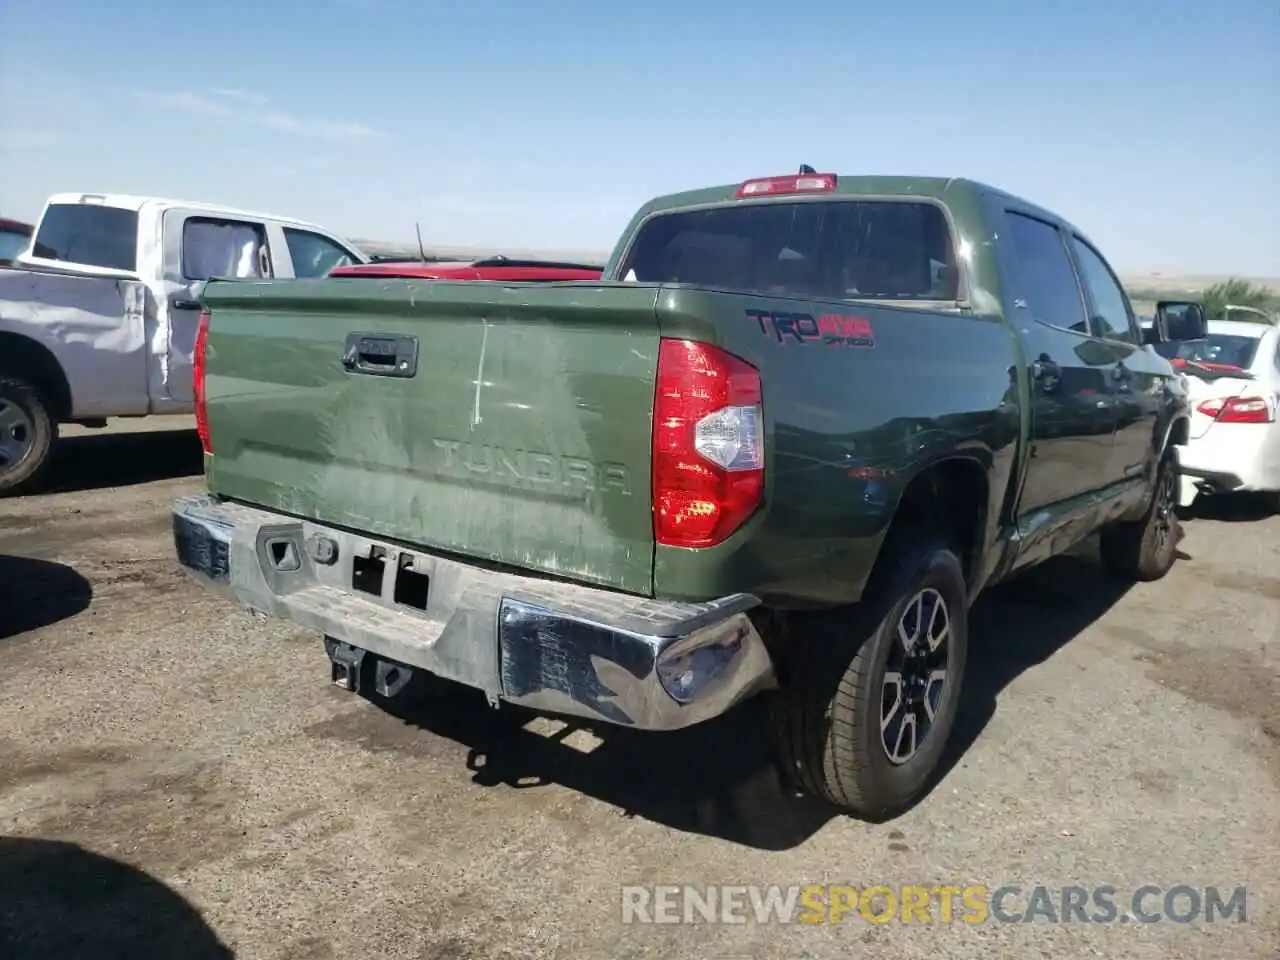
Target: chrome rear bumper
550	646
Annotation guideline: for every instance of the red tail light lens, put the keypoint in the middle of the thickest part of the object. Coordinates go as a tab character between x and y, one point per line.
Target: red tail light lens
802	183
1238	410
197	382
708	444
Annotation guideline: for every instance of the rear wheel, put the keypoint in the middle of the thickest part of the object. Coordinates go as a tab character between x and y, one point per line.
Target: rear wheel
869	697
1145	549
27	435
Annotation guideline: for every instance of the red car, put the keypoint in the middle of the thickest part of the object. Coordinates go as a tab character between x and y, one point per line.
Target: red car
495	268
14	238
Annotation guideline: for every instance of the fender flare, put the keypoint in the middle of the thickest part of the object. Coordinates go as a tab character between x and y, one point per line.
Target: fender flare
1179	419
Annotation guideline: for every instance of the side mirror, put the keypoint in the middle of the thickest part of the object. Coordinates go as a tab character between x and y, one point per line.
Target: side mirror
1178	321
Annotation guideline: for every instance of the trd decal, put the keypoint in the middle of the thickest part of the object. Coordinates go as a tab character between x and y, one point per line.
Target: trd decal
832	329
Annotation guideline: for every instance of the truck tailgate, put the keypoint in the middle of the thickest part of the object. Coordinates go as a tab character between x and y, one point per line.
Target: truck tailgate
508	424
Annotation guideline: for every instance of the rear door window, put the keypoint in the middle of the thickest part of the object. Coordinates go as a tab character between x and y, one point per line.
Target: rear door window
224	249
825	250
89	234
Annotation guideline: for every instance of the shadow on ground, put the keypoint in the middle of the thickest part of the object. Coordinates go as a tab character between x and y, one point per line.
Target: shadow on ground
1020	624
59	900
36	593
719	778
1232	507
123	459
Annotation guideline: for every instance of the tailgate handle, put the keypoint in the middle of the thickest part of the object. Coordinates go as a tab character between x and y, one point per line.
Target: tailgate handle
380	355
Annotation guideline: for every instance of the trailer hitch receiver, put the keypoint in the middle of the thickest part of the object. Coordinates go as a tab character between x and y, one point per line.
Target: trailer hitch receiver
350	669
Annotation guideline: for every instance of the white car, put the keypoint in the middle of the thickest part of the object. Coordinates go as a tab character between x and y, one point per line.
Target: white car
1233	382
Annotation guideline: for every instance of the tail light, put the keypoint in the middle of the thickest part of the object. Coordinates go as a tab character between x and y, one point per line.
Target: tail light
197	382
1238	410
797	183
708	444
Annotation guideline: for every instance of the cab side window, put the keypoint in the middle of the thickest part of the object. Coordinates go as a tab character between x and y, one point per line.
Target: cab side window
1046	279
314	255
1111	319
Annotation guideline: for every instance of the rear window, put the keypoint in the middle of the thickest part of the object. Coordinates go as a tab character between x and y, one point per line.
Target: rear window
90	234
1234	351
825	250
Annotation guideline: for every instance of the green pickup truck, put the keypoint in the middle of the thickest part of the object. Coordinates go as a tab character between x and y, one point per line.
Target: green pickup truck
779	448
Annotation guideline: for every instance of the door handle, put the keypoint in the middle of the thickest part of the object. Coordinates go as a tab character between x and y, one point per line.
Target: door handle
380	355
182	303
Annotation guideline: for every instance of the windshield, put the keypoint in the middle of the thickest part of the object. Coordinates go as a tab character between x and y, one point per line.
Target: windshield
829	249
90	234
1221	349
12	244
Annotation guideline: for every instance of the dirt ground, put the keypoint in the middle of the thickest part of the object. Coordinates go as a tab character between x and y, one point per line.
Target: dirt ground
178	779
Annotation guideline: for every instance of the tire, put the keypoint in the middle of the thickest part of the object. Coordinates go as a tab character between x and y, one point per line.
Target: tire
1145	549
31	432
828	713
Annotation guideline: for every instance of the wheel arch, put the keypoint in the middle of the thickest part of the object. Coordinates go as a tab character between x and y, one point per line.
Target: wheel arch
1176	434
31	361
951	496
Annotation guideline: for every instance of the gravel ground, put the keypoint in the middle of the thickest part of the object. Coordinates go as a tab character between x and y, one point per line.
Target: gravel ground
178	779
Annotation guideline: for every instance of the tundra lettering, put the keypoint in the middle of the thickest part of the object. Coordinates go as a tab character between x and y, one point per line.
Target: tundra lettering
499	465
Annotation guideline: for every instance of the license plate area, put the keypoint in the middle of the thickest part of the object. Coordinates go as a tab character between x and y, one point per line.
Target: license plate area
410	577
413	586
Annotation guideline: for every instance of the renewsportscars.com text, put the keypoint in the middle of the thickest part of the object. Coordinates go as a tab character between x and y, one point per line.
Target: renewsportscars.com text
938	903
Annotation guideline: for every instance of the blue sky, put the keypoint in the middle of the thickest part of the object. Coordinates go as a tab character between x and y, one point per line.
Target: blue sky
1154	125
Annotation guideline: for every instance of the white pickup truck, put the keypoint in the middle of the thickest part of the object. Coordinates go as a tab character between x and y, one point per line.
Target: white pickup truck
98	315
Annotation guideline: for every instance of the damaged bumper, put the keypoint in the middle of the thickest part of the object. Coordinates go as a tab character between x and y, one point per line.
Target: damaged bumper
549	646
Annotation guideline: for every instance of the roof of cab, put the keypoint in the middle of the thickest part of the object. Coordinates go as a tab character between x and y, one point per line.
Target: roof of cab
933	188
126	201
852	184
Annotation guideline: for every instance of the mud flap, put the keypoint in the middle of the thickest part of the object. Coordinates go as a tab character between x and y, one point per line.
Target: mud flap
360	671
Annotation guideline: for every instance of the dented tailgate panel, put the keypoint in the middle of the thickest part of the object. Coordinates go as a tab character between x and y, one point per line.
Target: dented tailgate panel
506	424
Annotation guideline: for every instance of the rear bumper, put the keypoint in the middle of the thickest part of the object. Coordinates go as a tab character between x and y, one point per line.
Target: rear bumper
554	647
1232	458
